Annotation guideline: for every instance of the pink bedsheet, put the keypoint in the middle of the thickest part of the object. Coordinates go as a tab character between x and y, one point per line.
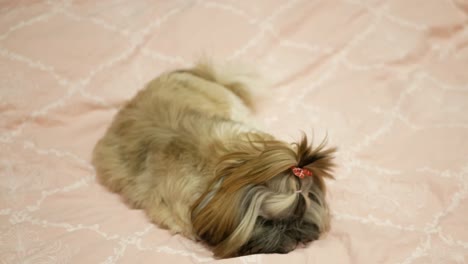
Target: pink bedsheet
387	80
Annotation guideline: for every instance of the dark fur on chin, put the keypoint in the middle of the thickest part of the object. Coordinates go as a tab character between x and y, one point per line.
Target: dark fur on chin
279	236
283	235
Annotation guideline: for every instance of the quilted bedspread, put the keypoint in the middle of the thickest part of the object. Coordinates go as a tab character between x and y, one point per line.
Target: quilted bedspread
387	81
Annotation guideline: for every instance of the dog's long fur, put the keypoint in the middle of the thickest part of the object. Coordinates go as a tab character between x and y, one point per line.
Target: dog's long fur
184	151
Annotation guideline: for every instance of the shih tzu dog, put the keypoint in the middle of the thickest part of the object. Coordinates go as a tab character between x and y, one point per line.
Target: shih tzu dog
185	150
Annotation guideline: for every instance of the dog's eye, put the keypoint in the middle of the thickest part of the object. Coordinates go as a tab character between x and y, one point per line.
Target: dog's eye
313	197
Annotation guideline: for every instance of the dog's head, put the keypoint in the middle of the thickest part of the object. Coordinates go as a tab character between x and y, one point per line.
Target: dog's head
258	204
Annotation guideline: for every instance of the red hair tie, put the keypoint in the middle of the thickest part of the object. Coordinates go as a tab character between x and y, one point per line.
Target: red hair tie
301	172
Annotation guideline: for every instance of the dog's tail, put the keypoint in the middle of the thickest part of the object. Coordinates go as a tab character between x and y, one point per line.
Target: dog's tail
241	80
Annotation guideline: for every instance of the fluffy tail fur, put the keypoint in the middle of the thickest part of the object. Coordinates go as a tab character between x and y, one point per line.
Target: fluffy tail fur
240	79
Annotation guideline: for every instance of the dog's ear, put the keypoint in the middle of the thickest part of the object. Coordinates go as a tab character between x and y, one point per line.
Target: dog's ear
246	210
217	220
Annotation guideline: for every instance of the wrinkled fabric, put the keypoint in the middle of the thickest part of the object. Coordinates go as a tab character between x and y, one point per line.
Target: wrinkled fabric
385	81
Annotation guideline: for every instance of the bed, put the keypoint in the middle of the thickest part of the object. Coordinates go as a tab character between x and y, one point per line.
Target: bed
386	81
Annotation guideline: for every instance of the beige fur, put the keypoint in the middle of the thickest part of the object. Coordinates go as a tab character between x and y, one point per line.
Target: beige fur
183	150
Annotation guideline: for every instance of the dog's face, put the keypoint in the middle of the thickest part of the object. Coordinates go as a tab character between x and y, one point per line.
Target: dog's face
258	205
306	220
